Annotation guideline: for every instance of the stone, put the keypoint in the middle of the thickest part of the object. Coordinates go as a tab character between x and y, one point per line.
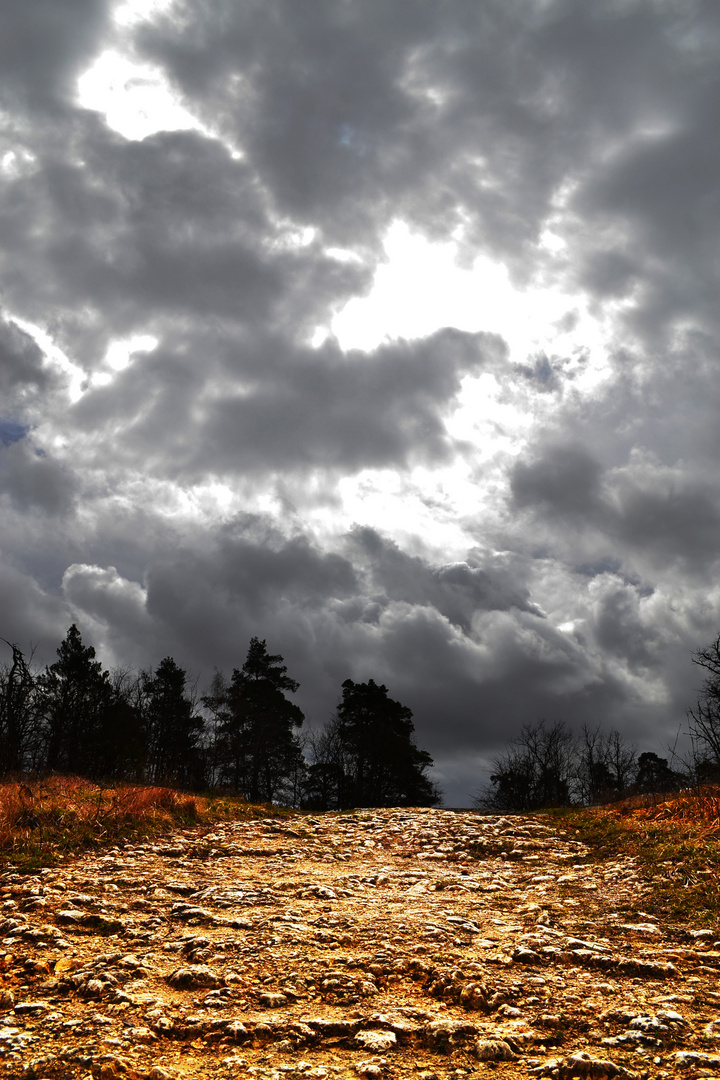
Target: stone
526	956
193	976
684	1059
448	1032
377	1041
273	1000
368	1068
235	1029
583	1065
30	1008
322	892
494	1050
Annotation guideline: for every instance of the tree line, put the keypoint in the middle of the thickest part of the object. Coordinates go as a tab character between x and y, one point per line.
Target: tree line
548	765
242	737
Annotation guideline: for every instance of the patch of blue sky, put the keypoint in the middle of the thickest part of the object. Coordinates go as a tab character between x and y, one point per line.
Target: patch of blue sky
11	431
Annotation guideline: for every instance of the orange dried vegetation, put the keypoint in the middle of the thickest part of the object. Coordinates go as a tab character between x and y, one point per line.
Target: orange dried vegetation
51	818
674	838
695	810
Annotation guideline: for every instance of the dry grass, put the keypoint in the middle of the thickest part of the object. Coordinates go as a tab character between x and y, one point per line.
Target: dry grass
675	840
44	822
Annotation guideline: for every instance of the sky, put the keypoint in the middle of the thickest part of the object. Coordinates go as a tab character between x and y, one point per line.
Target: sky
386	332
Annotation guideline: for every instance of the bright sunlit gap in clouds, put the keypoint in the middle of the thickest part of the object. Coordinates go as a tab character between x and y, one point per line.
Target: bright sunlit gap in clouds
421	287
135	99
120	354
76	377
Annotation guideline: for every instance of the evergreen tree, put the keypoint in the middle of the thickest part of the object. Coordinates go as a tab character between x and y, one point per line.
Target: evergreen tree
173	728
381	765
654	775
257	750
76	695
121	741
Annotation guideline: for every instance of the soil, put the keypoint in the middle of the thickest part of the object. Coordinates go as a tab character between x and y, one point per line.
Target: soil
381	943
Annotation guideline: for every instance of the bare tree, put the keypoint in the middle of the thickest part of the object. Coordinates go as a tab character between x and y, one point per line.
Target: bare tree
606	766
704	719
326	783
535	771
18	715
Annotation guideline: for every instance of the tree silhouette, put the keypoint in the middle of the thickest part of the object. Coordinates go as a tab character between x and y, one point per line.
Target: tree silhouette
535	771
369	757
328	776
655	776
172	728
605	766
18	722
257	751
76	694
705	717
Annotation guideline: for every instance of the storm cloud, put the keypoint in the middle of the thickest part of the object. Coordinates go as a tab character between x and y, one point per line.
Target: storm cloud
505	511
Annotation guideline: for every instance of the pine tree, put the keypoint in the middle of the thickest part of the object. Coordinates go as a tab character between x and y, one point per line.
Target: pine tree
257	751
382	764
76	694
173	728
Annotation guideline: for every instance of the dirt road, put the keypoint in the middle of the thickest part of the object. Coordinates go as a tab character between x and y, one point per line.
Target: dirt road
390	943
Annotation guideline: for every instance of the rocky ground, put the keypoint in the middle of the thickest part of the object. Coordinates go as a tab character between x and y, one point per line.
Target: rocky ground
382	943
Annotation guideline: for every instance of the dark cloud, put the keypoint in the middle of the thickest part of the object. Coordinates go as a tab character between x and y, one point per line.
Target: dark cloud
657	513
117	237
247	575
23	373
33	618
672	516
564	480
619	628
457	591
549	550
34	481
316	111
258	405
324	409
44	47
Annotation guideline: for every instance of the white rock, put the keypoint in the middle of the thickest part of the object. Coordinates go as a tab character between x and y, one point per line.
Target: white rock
377	1041
368	1068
